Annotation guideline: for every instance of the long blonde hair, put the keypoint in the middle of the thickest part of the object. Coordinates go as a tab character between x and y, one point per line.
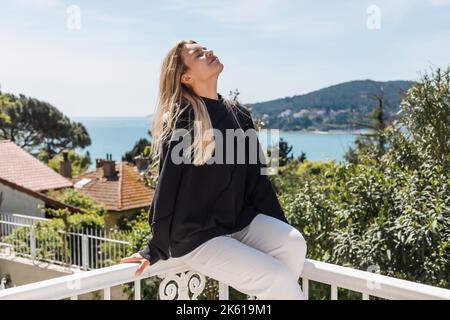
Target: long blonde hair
169	107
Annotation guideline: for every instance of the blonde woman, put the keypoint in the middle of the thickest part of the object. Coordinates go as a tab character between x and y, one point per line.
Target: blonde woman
222	218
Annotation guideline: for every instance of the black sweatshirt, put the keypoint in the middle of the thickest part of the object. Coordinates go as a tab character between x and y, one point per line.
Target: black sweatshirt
193	204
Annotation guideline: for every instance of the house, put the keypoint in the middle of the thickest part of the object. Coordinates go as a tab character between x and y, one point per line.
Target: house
301	113
24	181
285	113
118	186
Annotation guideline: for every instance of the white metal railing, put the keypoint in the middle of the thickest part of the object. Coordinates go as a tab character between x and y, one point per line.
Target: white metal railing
86	248
181	282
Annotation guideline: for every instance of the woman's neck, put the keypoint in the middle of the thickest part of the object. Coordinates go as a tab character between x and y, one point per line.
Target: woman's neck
208	90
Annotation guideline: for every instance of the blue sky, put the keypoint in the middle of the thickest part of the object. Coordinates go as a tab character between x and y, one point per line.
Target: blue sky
270	48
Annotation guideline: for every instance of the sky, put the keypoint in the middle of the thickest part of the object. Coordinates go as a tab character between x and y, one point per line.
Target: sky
103	58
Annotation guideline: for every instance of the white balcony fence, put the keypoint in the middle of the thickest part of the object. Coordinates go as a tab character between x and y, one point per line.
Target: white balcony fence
85	248
182	283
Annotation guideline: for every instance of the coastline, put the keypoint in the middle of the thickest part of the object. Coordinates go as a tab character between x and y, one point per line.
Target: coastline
333	131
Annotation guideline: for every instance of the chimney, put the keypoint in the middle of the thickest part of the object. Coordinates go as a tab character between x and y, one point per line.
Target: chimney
99	163
65	168
109	166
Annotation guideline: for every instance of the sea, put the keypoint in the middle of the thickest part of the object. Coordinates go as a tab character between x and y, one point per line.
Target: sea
117	135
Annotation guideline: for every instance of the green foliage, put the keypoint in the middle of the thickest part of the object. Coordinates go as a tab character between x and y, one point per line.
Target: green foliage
284	152
150	175
390	213
5	101
138	149
75	198
314	167
5	279
371	143
52	238
48	236
301	157
426	114
36	125
86	220
79	163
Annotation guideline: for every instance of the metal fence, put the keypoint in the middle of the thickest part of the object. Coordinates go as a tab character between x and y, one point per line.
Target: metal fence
86	248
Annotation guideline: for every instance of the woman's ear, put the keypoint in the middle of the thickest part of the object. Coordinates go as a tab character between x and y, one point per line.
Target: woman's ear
186	79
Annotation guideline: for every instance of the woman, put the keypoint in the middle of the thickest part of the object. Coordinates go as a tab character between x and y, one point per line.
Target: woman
222	218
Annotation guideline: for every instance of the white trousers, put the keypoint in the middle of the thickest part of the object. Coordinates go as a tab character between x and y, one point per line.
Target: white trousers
265	259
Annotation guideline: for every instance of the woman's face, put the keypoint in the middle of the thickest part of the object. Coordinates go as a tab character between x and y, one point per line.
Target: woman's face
202	63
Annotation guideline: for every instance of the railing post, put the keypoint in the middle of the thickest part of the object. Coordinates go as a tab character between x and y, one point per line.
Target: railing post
84	252
305	287
32	243
137	289
223	291
334	292
107	293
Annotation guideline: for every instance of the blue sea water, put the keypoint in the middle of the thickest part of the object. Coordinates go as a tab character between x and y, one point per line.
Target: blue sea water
117	135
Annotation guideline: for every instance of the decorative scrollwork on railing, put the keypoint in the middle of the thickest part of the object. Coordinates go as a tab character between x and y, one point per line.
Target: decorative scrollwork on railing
173	284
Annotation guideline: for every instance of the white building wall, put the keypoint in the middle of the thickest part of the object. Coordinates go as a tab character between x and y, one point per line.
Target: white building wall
14	201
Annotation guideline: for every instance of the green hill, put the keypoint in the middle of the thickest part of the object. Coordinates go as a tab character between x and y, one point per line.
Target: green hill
334	107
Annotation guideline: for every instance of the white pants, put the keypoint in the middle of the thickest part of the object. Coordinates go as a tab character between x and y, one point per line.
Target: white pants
265	259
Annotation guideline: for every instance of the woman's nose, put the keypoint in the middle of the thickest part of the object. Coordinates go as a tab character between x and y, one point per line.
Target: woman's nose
209	53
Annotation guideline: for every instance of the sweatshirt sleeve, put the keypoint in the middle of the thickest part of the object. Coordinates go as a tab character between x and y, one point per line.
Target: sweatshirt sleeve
164	198
260	192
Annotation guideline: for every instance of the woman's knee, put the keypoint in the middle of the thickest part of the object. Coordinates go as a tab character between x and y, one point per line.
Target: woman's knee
297	243
297	247
284	286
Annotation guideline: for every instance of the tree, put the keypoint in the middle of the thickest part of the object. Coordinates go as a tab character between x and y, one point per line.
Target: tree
374	142
425	113
136	151
79	163
38	126
302	157
391	213
74	197
234	96
285	153
5	101
143	150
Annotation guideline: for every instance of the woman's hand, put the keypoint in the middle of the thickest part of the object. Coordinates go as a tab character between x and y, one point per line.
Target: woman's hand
136	257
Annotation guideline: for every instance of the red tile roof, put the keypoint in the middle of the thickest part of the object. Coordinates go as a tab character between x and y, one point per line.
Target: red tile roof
21	168
122	193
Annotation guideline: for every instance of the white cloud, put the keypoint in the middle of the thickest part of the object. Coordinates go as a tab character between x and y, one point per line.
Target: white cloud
243	10
270	19
108	18
230	12
440	2
39	3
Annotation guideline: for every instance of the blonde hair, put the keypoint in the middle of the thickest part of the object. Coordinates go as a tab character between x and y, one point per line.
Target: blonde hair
172	93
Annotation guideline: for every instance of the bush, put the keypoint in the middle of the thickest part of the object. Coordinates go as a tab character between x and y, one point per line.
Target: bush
390	214
73	197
